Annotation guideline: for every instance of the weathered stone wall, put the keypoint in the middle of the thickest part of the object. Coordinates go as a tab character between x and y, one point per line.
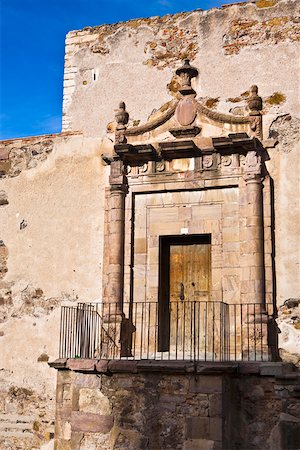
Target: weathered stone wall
135	406
233	47
52	198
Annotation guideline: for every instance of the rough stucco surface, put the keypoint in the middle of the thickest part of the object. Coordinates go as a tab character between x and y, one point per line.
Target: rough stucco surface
52	188
51	219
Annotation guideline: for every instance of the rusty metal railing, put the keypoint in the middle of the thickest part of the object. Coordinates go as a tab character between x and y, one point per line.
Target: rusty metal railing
194	331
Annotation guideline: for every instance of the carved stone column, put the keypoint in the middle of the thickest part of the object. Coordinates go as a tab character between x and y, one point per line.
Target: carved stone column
255	242
118	189
255	345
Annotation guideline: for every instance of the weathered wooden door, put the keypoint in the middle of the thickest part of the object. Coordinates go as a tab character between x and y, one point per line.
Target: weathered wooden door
185	278
189	272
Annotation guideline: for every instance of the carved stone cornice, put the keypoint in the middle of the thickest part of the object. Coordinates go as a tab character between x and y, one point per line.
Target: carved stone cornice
179	149
136	154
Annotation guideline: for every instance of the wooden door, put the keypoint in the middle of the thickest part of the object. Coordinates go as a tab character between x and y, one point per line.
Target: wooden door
185	277
189	272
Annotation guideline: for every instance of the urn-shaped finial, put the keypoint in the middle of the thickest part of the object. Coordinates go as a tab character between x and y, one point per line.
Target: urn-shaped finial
121	116
186	72
254	101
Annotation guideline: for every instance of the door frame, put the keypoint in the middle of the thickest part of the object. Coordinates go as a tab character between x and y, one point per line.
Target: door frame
165	243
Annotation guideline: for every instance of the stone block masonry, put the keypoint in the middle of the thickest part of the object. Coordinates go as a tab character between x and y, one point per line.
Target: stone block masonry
160	405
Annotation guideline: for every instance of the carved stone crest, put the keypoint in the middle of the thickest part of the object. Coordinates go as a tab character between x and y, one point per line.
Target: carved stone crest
186	111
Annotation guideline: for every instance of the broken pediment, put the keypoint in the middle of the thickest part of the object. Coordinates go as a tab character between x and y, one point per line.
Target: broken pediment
187	128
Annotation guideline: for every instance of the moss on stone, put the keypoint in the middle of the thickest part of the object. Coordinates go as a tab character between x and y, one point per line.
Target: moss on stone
174	85
276	99
212	102
43	358
265	3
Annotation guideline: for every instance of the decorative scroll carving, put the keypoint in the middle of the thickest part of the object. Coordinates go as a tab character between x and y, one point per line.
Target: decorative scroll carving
186	109
151	125
220	117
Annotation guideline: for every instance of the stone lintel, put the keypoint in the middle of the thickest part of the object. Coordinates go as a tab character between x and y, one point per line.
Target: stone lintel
235	143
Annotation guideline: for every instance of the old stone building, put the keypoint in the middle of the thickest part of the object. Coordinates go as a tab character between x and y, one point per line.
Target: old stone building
150	251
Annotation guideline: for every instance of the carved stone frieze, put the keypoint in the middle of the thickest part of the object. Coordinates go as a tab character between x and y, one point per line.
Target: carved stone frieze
143	168
160	166
207	161
226	161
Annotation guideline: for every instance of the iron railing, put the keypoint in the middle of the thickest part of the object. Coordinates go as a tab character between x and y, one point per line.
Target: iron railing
195	331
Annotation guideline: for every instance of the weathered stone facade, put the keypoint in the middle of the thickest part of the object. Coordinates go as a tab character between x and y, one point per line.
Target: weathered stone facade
82	213
170	405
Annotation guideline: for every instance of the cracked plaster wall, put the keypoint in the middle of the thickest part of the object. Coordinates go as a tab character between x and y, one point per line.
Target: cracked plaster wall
51	215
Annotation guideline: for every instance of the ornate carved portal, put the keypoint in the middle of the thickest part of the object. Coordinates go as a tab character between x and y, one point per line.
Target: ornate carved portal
190	172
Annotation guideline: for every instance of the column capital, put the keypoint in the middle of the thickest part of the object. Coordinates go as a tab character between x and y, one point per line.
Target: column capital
117	178
254	178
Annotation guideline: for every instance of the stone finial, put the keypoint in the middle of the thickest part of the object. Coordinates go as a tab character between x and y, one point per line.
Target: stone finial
254	101
186	72
121	115
121	118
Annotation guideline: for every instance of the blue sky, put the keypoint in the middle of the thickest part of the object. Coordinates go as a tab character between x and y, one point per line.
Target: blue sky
32	53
